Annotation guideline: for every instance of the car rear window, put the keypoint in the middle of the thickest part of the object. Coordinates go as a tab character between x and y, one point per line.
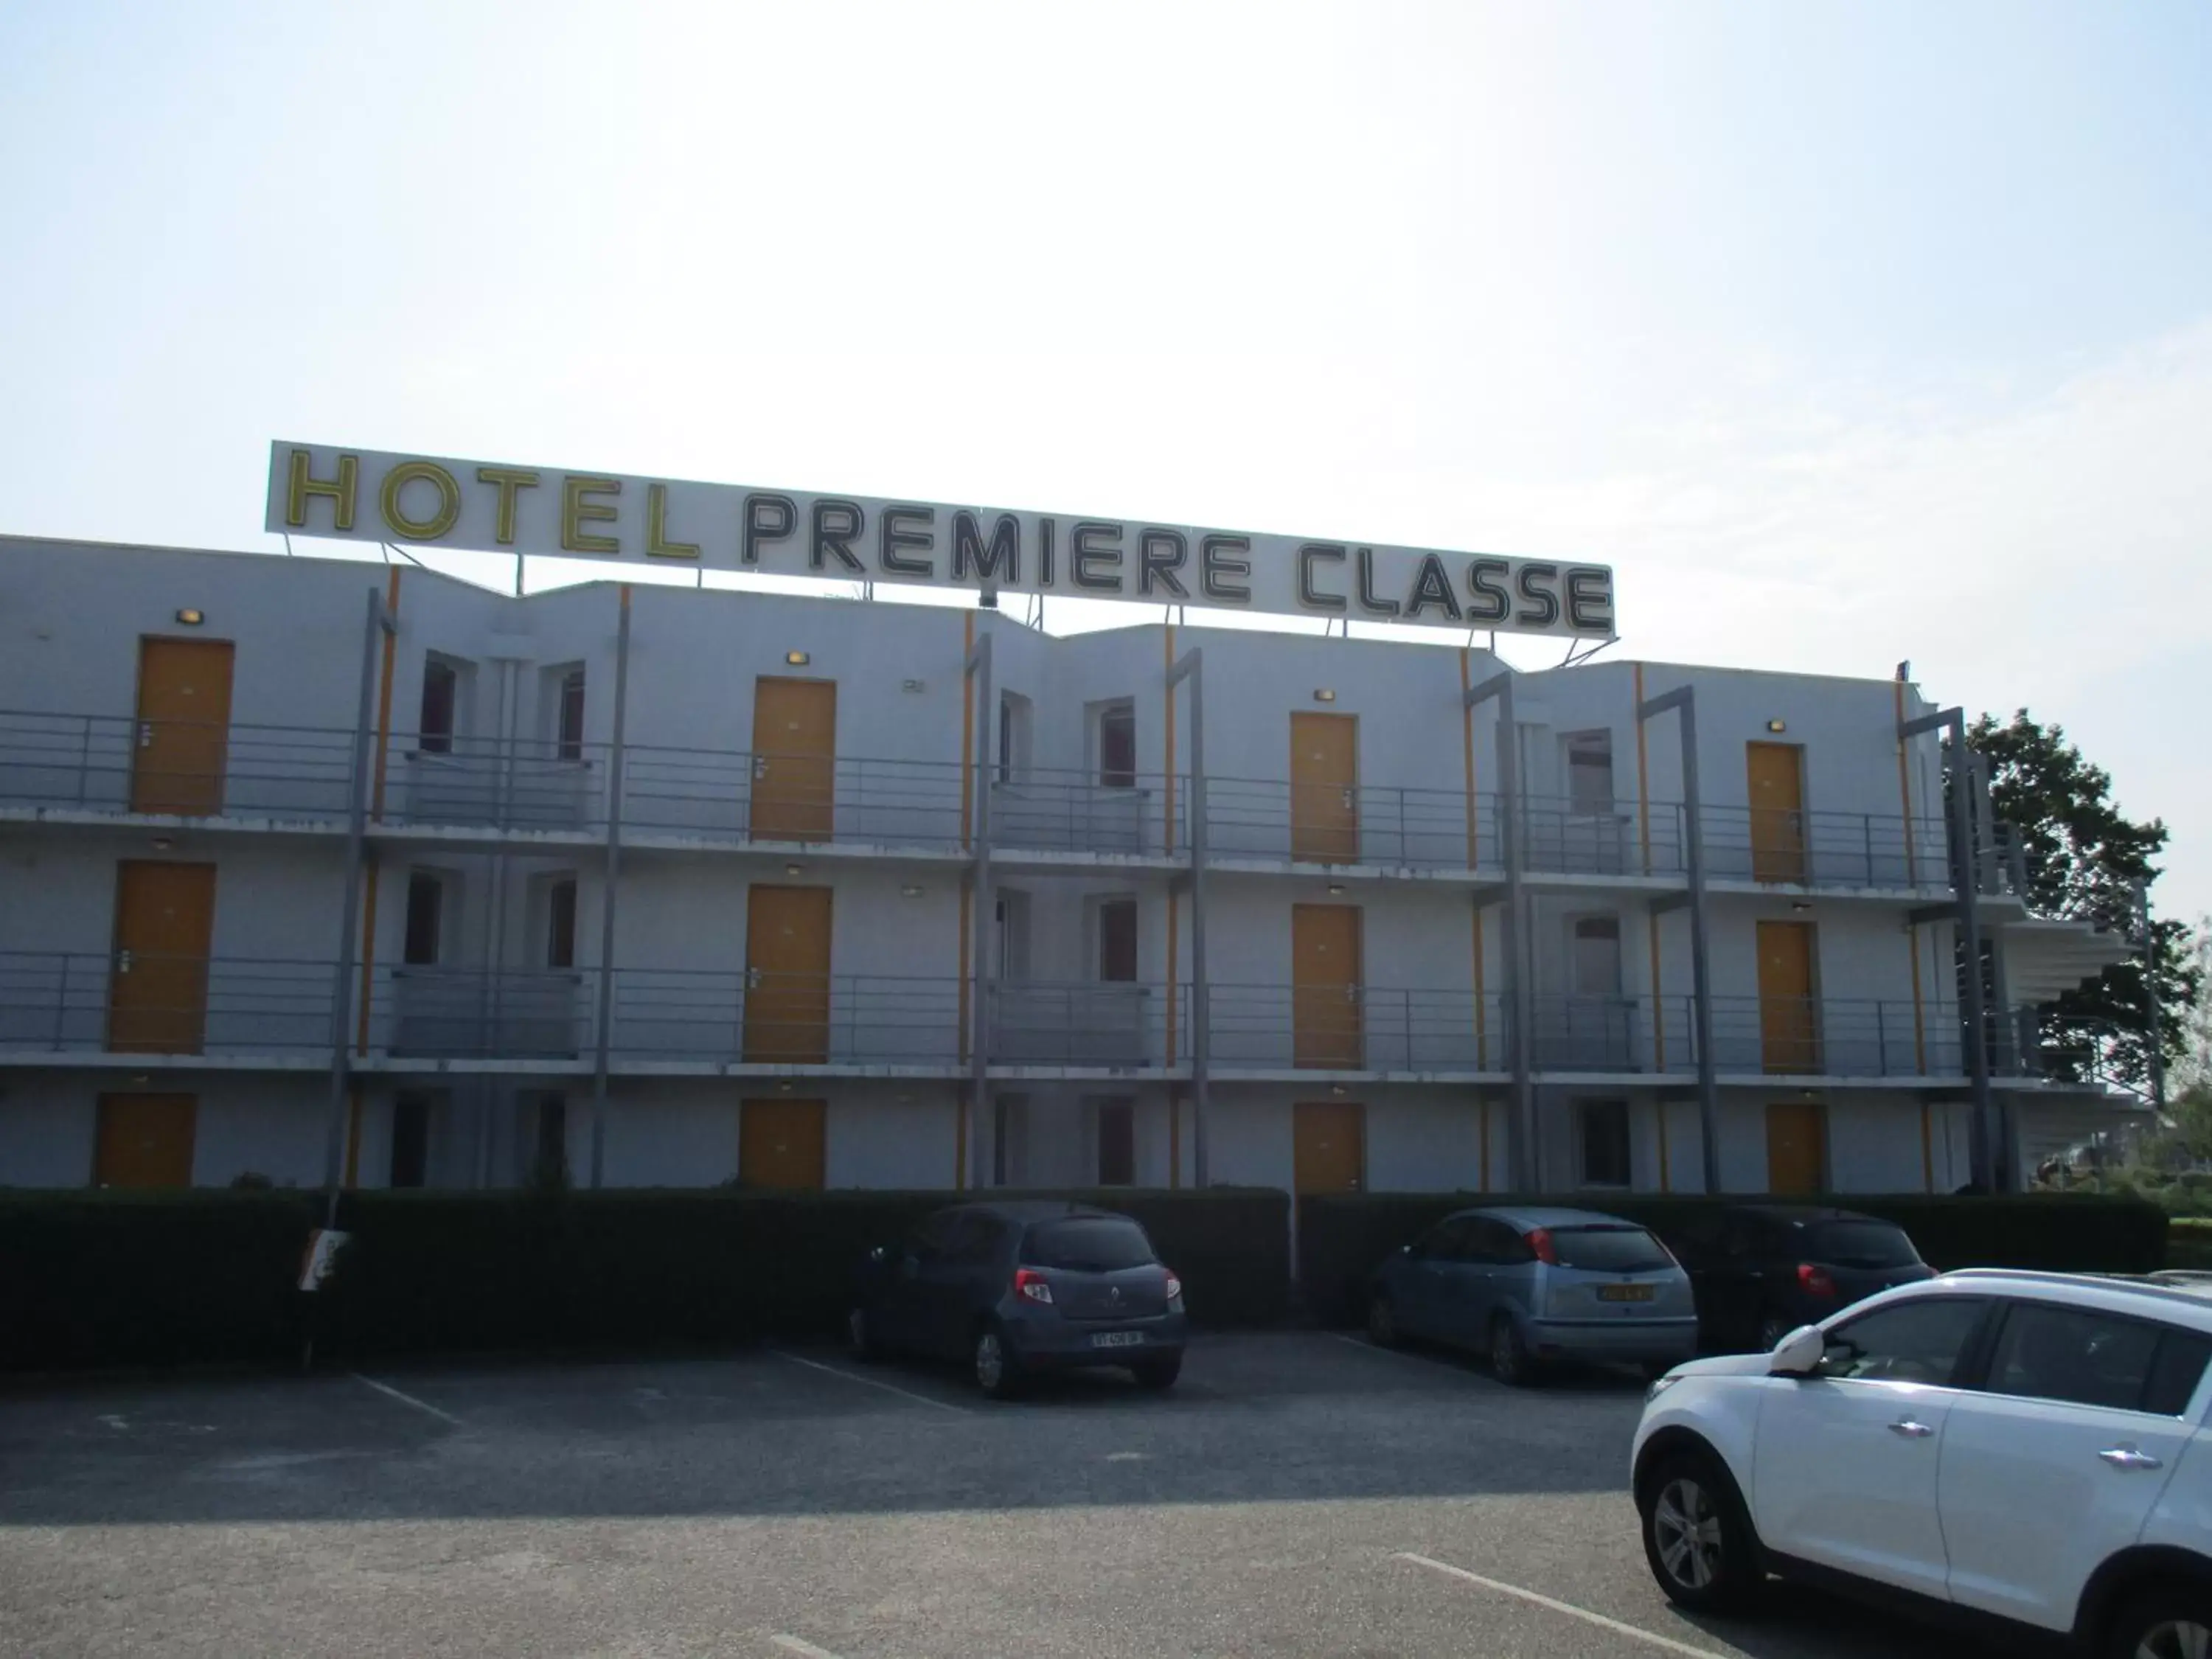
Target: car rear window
1860	1244
1609	1249
1099	1245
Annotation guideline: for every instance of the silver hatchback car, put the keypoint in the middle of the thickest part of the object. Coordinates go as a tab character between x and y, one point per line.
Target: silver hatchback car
1532	1287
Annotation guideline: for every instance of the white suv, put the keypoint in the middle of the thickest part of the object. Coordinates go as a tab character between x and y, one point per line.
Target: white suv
2024	1449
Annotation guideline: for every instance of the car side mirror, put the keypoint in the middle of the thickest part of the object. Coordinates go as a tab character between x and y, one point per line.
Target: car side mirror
1799	1353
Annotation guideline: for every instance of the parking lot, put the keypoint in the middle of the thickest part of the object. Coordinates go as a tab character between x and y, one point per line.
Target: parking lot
1300	1493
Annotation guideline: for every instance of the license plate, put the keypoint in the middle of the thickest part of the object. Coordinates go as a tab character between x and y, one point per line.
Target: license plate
1624	1292
1117	1340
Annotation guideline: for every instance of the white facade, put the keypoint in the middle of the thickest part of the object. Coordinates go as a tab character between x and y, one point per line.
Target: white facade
485	771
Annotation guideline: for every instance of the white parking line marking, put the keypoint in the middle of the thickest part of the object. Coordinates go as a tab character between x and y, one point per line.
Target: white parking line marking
409	1399
1572	1612
807	1650
871	1383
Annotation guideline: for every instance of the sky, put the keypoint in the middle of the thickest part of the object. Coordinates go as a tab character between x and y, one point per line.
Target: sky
1847	334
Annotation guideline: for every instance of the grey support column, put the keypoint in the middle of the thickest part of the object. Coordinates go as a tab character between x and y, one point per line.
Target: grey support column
1965	885
981	1121
380	621
1191	668
613	887
1683	701
1527	1163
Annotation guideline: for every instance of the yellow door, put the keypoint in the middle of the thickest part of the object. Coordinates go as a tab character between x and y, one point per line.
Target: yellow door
145	1140
1328	1146
184	726
787	974
1776	774
794	759
158	976
1797	1148
1325	787
1326	1025
783	1143
1788	1018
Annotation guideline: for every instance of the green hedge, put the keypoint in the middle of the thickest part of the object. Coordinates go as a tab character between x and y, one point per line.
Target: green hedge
112	1278
124	1278
1342	1237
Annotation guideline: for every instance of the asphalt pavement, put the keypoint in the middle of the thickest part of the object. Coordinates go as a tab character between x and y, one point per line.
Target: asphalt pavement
1299	1493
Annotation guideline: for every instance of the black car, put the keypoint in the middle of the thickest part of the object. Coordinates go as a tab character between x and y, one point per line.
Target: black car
1013	1290
1760	1271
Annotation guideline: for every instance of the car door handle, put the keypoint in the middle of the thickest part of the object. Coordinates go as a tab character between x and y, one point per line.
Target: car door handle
1911	1430
2128	1457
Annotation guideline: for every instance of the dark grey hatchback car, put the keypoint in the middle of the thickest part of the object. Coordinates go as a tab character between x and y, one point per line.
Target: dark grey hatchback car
1016	1289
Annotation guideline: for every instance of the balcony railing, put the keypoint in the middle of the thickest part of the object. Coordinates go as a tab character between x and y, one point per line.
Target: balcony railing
135	1002
795	1019
1048	809
1123	1026
1826	850
440	1012
1832	1037
108	763
1357	1028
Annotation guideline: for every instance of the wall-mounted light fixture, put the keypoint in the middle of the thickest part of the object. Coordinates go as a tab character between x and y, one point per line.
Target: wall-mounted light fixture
191	617
163	843
793	869
1336	887
1777	726
912	889
797	659
910	685
1800	904
783	1085
1324	694
1336	1088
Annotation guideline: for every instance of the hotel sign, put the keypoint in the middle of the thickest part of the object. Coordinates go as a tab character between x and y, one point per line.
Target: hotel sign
360	495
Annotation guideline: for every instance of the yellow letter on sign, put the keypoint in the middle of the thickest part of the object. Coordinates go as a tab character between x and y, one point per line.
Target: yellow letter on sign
340	489
508	479
657	544
449	501
575	512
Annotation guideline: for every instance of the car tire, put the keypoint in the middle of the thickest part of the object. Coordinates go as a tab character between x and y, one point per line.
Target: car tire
1696	1538
861	1337
1383	1323
1157	1374
992	1364
2166	1623
1509	1360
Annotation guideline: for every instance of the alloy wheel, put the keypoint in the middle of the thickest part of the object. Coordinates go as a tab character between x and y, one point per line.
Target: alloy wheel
2176	1639
990	1362
1687	1529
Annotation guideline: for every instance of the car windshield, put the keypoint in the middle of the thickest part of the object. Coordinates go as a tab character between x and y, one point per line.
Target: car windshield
1090	1245
1860	1244
1609	1249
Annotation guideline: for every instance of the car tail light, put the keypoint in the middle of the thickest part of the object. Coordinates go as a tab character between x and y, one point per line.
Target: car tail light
1032	1283
1174	1286
1815	1281
1539	1240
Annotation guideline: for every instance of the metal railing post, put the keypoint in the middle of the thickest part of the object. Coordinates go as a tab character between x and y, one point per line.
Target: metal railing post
605	1013
378	620
61	1007
1526	1163
1683	700
84	761
978	668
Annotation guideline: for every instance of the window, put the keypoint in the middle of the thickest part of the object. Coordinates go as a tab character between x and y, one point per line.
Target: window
425	904
1013	756
1091	1244
2083	1357
442	697
1009	1117
1590	772
410	1139
1012	933
1117	941
568	731
1859	1244
1609	1249
1117	746
1597	955
1452	1239
1605	1143
1117	1144
1914	1341
549	1165
561	922
975	1239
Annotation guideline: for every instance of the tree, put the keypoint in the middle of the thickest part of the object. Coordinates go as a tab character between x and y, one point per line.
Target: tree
2084	860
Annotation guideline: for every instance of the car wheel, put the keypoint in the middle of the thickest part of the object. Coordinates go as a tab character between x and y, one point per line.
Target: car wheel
1157	1373
1771	1330
1509	1353
998	1373
861	1337
1382	1322
1695	1537
2166	1623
